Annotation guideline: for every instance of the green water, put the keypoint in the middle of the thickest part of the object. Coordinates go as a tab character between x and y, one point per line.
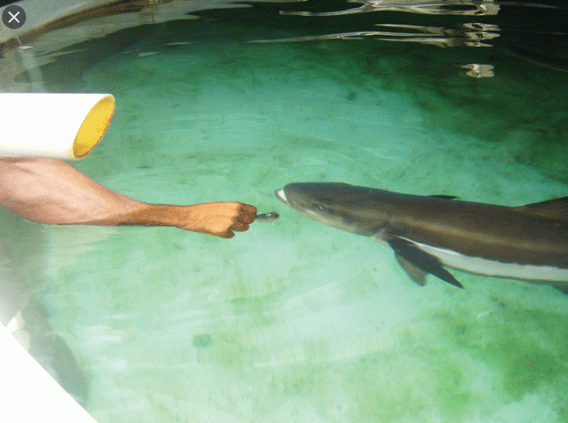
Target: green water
296	321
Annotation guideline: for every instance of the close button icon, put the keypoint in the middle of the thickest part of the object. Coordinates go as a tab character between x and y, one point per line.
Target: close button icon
14	17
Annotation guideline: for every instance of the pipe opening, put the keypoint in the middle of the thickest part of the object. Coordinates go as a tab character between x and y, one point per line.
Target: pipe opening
94	126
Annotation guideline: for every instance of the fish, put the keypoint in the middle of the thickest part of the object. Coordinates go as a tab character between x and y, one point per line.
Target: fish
431	233
267	217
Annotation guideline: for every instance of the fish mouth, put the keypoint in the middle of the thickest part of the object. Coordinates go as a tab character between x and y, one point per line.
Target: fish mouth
281	196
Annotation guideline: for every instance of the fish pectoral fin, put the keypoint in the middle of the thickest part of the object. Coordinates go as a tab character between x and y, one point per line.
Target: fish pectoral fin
412	256
418	275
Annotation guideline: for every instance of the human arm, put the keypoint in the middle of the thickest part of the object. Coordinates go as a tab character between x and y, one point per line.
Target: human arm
51	191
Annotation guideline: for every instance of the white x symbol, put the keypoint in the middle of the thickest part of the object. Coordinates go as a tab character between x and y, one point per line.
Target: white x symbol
13	17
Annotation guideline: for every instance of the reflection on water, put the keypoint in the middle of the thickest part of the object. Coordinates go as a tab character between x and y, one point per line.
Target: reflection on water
477	70
51	32
443	7
467	35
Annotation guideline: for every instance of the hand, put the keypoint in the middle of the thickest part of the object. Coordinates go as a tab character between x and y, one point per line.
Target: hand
219	218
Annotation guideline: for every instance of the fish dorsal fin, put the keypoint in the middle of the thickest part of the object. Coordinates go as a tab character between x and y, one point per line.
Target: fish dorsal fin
554	209
443	197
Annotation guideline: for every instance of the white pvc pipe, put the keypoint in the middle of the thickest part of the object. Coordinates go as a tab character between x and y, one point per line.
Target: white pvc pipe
28	393
63	126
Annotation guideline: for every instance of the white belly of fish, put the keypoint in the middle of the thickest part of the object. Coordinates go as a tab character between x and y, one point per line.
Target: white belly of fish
487	267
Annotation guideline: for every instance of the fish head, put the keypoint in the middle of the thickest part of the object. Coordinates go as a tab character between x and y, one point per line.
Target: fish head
347	207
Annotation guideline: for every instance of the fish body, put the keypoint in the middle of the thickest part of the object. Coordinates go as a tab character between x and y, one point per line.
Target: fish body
428	233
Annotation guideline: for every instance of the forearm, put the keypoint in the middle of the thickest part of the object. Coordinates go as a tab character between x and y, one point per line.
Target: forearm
51	191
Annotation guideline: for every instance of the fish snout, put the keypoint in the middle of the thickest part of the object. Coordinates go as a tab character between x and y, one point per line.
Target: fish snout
281	196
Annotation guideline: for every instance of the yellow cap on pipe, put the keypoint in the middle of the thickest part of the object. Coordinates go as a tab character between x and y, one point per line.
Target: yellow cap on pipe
94	127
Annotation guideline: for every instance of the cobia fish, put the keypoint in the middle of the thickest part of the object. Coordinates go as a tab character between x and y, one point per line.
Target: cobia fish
429	233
